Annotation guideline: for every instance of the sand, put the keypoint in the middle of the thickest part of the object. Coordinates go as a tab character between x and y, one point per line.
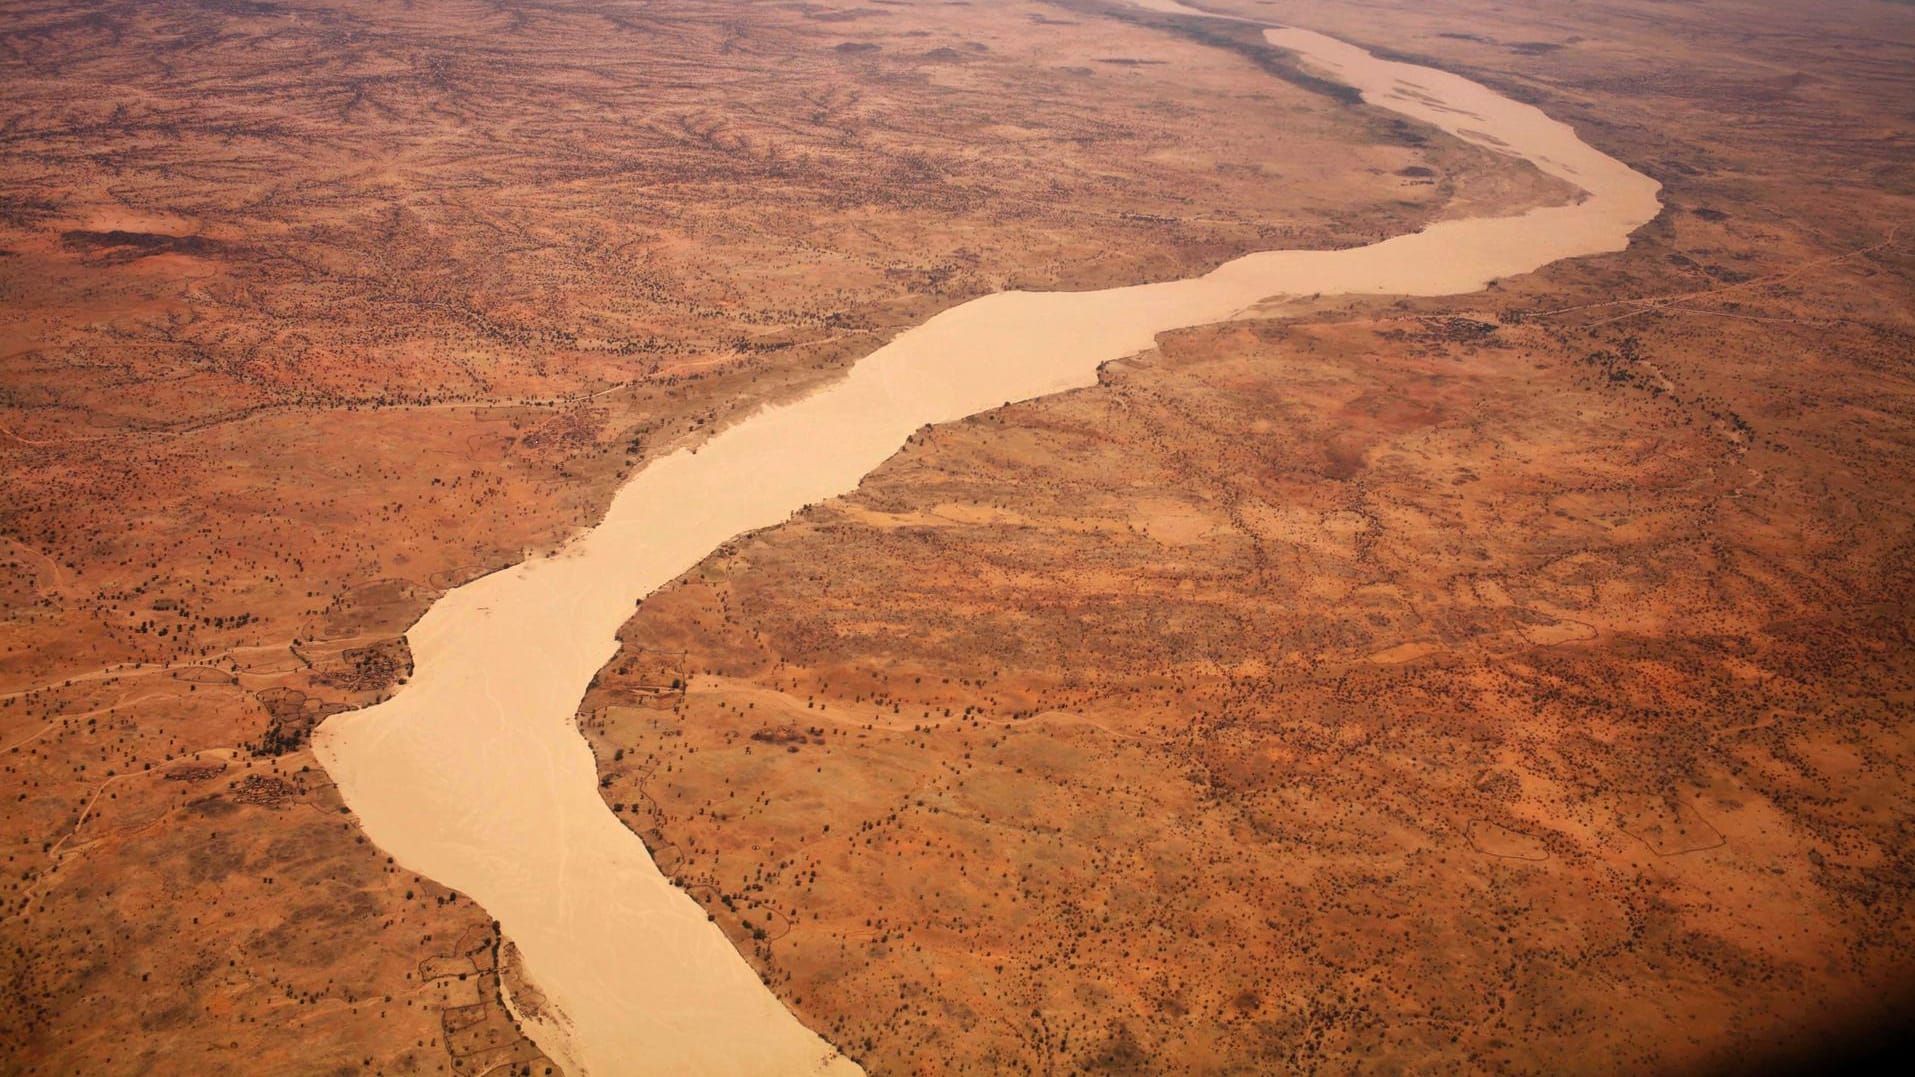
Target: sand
475	774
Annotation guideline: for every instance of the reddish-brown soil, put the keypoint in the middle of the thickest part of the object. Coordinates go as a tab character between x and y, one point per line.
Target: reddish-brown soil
1518	683
311	310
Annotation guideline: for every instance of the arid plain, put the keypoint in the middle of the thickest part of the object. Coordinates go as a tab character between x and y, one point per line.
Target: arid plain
1518	681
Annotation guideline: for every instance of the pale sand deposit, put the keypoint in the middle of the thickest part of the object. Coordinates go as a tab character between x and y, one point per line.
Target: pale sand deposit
476	775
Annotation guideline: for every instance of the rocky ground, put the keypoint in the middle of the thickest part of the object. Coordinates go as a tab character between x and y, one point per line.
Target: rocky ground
311	310
1513	683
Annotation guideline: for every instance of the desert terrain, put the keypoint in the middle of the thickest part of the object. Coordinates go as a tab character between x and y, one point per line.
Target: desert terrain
1518	681
313	311
477	773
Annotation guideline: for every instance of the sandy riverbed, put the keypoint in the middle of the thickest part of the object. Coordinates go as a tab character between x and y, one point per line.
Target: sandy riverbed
475	774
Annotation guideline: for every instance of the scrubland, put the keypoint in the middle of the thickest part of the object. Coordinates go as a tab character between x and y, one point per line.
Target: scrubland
310	311
1508	683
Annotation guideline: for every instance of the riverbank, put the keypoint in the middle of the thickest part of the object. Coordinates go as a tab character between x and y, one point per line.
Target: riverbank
475	773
